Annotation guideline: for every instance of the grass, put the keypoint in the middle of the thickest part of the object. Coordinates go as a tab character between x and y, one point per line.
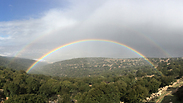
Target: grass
170	98
167	96
160	98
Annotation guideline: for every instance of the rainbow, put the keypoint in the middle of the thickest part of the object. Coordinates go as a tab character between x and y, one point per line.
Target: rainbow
18	53
87	40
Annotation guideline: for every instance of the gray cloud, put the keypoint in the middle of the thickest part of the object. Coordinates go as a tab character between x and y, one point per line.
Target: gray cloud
150	27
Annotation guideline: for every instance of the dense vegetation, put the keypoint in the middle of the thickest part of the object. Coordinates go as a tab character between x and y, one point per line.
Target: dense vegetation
179	94
18	63
131	87
94	67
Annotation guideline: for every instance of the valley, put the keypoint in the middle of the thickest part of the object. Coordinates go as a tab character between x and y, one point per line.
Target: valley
82	80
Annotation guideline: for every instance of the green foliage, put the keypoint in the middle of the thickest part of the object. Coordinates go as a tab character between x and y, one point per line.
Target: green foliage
122	88
131	87
93	67
65	99
153	85
2	81
140	73
166	80
26	98
18	63
104	93
32	85
179	94
11	89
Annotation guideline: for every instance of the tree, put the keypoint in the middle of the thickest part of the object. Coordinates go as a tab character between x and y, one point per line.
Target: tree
140	73
153	85
179	94
2	82
166	80
136	94
121	85
104	93
32	85
26	98
11	89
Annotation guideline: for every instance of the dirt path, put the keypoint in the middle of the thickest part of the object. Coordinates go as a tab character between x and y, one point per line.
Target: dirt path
177	86
162	96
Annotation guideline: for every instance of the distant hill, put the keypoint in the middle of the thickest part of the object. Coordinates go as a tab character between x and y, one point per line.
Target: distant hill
90	66
18	63
114	80
80	67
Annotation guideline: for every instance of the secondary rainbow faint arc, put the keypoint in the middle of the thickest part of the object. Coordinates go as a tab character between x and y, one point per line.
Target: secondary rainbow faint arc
87	40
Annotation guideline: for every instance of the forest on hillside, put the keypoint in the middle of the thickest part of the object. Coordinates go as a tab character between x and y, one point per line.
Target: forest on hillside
19	63
133	87
97	66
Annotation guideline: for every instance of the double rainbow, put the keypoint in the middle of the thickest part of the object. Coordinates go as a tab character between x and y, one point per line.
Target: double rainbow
88	40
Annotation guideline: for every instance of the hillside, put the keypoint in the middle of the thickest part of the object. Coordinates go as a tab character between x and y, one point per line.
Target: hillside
133	87
18	63
80	67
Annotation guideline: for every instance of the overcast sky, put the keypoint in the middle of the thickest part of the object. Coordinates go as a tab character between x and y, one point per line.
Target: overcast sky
30	29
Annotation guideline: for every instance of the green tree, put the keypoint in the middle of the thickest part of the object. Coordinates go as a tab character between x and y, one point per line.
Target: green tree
121	85
32	85
153	85
11	89
136	94
26	98
104	93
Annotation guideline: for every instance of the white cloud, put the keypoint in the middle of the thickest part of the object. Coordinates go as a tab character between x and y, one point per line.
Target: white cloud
106	19
28	30
6	54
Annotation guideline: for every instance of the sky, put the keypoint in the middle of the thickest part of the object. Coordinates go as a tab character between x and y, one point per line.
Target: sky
30	29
